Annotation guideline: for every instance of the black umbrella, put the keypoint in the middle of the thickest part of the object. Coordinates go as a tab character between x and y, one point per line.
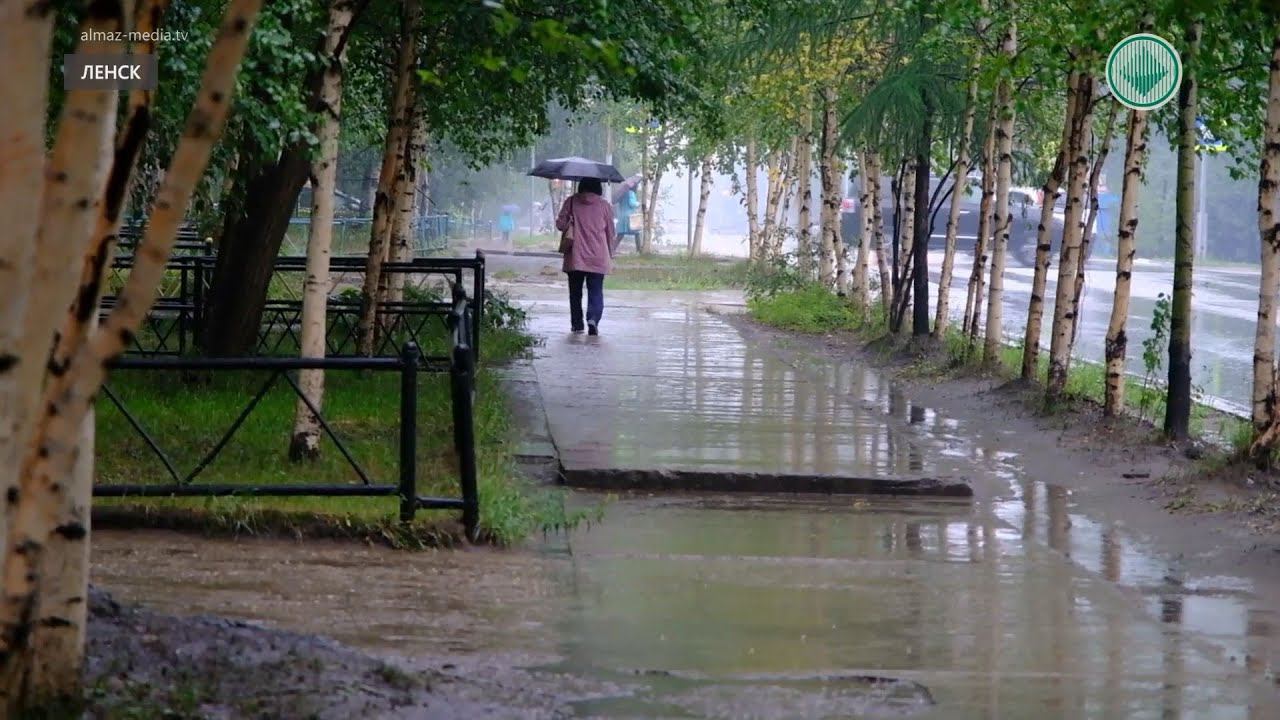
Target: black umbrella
576	168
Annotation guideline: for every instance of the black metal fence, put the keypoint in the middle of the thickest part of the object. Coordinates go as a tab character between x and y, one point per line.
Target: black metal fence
177	319
461	369
173	326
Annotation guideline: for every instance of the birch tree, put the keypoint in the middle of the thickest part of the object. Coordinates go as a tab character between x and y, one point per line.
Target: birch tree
1004	172
861	292
392	156
981	245
963	163
315	289
804	188
1135	157
55	432
1072	235
830	189
1266	407
1044	237
704	195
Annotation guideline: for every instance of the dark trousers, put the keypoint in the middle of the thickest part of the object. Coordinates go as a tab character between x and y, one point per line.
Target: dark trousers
595	297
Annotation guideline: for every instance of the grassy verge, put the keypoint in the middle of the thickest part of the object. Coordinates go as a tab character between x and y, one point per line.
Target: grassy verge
813	309
186	413
676	272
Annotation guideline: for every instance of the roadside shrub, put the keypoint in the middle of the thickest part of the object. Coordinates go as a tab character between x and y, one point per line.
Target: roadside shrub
811	308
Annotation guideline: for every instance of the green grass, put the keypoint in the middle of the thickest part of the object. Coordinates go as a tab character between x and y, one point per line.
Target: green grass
187	412
813	309
676	272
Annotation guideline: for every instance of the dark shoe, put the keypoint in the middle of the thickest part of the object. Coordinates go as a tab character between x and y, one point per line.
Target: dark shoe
592	329
577	330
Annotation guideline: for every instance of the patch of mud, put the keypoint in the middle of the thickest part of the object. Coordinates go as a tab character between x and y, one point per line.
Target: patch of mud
147	664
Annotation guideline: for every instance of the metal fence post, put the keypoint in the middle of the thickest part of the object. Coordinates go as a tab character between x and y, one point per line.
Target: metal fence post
462	379
477	317
409	356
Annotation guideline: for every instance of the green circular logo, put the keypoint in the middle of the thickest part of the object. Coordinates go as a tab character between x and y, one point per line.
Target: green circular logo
1144	71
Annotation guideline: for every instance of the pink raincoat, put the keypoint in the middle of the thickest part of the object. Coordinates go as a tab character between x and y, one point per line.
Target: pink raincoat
594	238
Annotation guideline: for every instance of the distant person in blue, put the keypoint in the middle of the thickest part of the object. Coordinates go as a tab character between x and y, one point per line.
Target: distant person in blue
625	203
507	223
1108	214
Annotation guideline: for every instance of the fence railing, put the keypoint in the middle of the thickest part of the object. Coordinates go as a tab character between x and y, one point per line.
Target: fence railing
178	316
460	367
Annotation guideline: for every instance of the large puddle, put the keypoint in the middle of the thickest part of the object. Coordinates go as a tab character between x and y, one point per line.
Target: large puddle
714	606
1016	605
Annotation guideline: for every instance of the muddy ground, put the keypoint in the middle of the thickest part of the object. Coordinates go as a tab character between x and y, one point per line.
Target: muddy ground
1212	518
145	664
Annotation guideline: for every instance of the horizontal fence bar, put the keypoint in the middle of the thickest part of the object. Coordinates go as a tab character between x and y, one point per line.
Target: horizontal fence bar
223	490
255	363
161	491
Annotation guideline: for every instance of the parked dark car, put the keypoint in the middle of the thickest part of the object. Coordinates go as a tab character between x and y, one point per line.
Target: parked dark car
1023	203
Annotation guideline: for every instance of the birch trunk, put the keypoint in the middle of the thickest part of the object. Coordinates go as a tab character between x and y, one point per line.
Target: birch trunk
1072	236
1266	418
26	30
704	196
788	192
58	644
830	201
392	155
1135	157
906	240
46	469
804	187
753	203
406	207
1044	240
982	245
1086	240
861	293
1004	178
877	235
1177	419
774	179
963	162
315	288
651	209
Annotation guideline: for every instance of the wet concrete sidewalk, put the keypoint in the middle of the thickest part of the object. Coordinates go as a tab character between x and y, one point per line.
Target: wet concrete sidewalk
671	386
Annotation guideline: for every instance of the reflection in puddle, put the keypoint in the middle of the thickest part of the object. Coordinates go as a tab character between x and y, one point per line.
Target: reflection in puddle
1017	605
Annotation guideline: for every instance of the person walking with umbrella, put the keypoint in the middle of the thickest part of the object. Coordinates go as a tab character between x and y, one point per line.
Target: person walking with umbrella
589	238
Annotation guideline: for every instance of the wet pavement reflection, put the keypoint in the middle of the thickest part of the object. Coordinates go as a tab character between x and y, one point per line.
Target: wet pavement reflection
1017	604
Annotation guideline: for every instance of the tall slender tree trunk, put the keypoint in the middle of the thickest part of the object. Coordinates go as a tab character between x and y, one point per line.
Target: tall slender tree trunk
920	313
1135	158
804	188
315	288
1072	235
704	195
780	224
775	177
58	644
906	232
1177	418
830	189
392	155
406	207
963	163
651	204
1044	236
1004	178
877	235
49	461
753	201
26	37
982	245
1103	148
1266	407
861	292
